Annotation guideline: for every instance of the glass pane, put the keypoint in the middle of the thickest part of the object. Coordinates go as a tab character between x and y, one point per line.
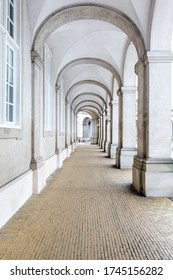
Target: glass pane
7	93
7	77
11	75
7	112
11	30
11	13
11	95
11	57
10	113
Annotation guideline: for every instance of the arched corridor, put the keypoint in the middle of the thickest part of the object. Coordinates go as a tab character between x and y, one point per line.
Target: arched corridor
73	72
89	211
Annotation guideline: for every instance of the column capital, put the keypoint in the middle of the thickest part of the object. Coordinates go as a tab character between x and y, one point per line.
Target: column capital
153	57
36	58
158	56
128	90
58	89
66	102
119	92
114	102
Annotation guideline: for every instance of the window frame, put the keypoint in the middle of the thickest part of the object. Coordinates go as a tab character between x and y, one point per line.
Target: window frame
10	129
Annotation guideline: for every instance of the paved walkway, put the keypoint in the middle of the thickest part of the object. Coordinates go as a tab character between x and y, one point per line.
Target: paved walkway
89	211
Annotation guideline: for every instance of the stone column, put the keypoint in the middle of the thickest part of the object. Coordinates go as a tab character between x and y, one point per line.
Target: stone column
72	128
75	126
114	128
94	131
107	130
67	127
103	130
153	166
99	131
37	162
58	149
58	92
75	129
127	143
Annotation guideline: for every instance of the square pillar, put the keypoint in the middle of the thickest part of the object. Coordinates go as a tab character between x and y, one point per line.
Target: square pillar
67	128
114	128
153	165
103	130
37	162
107	130
126	149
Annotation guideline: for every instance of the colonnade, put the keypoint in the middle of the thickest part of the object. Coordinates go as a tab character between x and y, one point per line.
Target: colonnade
138	137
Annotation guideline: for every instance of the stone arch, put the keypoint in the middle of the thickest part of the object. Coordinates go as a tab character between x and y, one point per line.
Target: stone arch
89	101
91	112
95	61
88	11
92	94
90	106
89	82
87	128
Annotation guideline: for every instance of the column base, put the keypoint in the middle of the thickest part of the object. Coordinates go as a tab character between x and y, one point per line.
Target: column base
102	144
153	177
99	142
94	141
75	144
39	174
106	146
68	150
59	158
112	150
124	157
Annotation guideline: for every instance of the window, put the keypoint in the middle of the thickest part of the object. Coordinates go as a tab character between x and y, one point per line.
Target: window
10	17
48	90
9	64
10	85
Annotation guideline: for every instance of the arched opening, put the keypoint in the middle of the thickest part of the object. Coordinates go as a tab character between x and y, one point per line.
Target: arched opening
84	61
87	129
89	11
75	77
84	127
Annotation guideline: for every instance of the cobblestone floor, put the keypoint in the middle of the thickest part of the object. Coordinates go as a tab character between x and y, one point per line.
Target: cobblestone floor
89	211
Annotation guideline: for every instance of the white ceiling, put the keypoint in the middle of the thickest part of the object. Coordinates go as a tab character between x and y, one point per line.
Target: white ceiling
94	40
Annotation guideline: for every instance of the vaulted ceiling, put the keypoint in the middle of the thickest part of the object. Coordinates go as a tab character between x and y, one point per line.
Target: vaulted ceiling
89	53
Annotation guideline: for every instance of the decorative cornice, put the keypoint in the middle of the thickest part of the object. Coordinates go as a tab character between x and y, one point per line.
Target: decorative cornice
153	57
128	90
113	102
119	92
158	57
36	58
58	89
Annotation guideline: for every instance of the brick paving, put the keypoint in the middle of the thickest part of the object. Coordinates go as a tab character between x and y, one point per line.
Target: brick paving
88	210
